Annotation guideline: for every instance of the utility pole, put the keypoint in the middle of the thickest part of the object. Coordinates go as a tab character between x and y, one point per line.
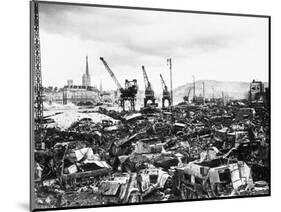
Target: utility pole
193	87
169	63
227	98
203	92
223	102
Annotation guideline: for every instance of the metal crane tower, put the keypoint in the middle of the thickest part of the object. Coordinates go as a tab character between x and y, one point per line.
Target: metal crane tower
36	72
166	94
149	93
186	98
128	93
111	73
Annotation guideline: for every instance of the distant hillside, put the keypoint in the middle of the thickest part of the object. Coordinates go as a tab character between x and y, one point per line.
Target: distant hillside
235	90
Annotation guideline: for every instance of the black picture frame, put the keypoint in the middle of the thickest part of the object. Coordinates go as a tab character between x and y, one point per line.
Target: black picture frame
32	121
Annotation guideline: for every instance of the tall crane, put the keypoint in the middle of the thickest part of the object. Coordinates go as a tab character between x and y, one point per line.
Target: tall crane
186	98
166	94
126	94
149	92
111	73
36	71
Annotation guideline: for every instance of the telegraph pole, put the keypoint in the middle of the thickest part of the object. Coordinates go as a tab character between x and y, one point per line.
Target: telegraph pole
169	63
223	98
193	87
203	92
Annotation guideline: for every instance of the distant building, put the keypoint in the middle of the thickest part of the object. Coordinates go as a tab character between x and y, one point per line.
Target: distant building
77	94
80	94
86	78
69	83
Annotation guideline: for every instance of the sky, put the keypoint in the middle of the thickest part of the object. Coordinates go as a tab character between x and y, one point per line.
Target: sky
210	47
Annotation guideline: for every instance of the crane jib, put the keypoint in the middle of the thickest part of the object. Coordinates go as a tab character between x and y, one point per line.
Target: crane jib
111	73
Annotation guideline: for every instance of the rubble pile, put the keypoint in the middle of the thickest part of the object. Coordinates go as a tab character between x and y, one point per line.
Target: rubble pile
188	152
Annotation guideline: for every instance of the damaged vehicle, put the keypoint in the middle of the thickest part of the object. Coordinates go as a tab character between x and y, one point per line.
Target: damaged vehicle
208	179
80	166
121	188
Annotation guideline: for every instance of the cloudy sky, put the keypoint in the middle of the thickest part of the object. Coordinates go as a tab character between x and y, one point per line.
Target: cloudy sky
211	47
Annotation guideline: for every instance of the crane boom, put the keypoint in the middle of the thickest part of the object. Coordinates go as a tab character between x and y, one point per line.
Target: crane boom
186	98
163	83
189	91
111	73
146	81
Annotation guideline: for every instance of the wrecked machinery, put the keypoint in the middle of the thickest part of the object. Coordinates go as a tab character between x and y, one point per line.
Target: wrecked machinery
211	179
190	152
134	187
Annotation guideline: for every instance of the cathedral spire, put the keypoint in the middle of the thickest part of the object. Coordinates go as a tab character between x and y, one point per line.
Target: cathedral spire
86	78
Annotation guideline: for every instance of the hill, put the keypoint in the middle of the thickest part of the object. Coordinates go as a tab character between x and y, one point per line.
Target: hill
213	88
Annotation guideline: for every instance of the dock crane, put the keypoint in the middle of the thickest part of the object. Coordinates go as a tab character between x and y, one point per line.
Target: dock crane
186	98
149	92
128	93
166	94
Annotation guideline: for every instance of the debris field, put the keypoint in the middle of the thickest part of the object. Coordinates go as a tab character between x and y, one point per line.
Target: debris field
152	155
